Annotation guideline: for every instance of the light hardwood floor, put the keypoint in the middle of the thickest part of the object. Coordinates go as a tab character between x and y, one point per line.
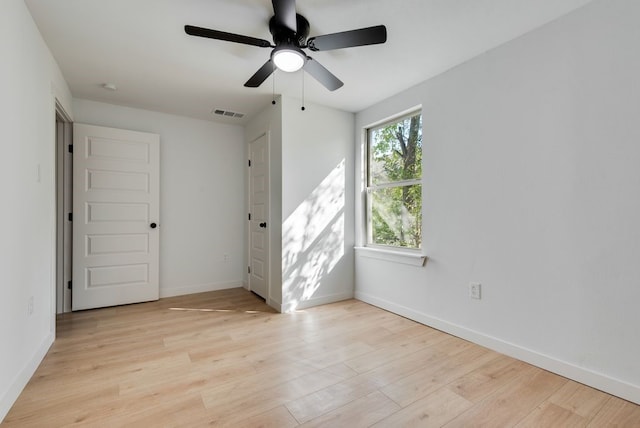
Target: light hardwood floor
226	359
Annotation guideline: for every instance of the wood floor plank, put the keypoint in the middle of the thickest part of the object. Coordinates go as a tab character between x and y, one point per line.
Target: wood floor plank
33	406
332	397
234	405
549	414
362	412
395	348
488	378
153	410
580	399
399	368
436	375
343	392
434	410
511	404
278	417
617	413
225	358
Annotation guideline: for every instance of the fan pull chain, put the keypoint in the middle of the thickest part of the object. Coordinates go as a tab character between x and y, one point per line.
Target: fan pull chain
273	94
302	108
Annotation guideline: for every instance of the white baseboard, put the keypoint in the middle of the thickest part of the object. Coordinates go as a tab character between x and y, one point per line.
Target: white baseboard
316	301
200	288
22	378
596	380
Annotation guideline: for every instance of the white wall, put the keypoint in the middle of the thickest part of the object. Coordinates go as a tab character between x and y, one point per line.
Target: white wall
531	181
311	202
201	195
30	81
317	205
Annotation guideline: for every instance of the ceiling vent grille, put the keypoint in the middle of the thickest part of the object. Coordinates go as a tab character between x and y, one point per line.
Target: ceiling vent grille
228	113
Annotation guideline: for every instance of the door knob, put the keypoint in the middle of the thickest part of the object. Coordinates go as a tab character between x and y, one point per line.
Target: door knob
263	224
153	225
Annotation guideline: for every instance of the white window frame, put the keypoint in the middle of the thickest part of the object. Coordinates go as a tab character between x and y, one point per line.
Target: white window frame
413	256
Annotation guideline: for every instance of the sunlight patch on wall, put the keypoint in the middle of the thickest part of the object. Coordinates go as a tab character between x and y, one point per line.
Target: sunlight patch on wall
313	238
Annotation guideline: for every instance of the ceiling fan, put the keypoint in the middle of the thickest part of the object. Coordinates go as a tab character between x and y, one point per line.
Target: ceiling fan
290	31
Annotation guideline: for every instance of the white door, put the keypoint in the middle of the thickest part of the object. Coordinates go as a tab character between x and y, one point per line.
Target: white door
116	177
259	211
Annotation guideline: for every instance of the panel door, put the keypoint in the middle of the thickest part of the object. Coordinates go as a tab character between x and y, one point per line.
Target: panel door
116	177
259	209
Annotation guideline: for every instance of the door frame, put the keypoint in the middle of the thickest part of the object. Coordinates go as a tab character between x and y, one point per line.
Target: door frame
64	192
267	135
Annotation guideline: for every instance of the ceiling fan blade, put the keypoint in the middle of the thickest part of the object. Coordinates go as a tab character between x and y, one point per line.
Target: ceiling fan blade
347	39
228	37
261	75
285	14
322	75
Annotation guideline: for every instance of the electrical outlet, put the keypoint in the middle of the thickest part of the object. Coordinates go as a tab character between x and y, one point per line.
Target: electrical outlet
30	306
475	290
225	258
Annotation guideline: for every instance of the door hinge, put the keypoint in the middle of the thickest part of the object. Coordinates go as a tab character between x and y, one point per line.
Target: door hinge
249	162
249	269
69	285
70	148
249	216
70	216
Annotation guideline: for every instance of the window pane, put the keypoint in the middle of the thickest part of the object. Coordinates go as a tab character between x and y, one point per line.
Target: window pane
396	216
395	151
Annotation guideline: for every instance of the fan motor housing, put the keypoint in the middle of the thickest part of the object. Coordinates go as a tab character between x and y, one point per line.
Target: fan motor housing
283	35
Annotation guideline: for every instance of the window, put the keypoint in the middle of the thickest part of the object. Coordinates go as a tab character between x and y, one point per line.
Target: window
394	183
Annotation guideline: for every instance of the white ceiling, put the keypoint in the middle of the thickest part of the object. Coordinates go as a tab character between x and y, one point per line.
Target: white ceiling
141	47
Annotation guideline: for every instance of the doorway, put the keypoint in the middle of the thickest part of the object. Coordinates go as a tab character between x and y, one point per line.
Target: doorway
119	263
64	188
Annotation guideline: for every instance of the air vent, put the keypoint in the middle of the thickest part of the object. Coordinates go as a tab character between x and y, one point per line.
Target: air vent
228	113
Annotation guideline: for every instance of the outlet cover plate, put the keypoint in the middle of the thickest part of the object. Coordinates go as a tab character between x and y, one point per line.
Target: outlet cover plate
475	290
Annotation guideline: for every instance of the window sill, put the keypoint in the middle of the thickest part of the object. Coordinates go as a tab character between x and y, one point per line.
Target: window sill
395	256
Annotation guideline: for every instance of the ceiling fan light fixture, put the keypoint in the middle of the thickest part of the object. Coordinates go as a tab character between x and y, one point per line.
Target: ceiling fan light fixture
288	58
290	32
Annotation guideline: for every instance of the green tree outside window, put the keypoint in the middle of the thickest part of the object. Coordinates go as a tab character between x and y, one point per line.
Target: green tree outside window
394	192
